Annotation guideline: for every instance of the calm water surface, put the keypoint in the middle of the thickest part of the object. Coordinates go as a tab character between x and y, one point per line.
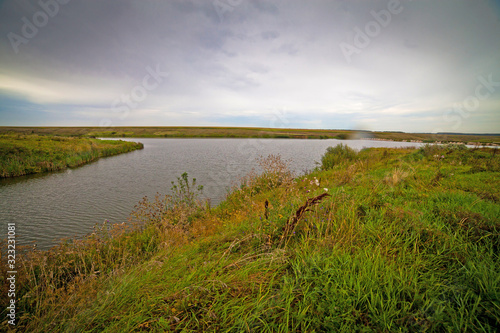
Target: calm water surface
69	203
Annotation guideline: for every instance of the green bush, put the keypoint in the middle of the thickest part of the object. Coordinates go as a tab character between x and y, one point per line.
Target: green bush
185	194
429	150
177	209
337	155
455	147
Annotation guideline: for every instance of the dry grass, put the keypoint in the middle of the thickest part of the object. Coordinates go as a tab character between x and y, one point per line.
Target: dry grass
396	177
292	222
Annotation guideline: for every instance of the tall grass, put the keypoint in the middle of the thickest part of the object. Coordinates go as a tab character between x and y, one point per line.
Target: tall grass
376	243
336	155
27	154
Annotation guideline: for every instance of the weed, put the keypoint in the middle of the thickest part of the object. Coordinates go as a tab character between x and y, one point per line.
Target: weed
275	173
177	209
337	155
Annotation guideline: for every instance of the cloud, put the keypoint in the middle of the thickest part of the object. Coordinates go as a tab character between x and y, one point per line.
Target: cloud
237	65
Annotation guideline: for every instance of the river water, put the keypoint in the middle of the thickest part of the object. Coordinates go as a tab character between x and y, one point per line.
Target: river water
48	207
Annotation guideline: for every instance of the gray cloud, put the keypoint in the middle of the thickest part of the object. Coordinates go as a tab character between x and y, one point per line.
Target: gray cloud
252	56
270	35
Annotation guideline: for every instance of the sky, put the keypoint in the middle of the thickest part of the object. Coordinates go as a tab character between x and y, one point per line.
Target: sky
413	66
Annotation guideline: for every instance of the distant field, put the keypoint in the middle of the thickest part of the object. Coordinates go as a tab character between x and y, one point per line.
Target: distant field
246	132
27	154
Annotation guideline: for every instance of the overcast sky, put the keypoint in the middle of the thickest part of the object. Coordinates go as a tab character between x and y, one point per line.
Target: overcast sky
414	66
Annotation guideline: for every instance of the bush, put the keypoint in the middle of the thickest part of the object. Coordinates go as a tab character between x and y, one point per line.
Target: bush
337	155
275	173
175	209
429	150
455	147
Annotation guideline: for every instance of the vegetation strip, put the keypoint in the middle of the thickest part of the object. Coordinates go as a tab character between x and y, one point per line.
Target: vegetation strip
405	240
252	132
27	154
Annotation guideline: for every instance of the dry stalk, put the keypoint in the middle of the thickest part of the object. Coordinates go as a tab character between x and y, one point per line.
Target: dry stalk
294	220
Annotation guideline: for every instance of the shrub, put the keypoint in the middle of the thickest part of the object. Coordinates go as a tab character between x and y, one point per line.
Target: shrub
175	209
429	150
185	194
275	173
455	147
337	155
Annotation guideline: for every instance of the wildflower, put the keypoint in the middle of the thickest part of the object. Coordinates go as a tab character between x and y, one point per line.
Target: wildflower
326	190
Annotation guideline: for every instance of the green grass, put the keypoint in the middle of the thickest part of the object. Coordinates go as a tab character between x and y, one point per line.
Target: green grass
247	132
407	240
27	154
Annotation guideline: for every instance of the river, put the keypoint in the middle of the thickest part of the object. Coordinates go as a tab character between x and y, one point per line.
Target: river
48	207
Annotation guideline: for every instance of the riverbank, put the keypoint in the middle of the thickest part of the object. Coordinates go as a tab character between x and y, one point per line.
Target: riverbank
380	240
28	154
251	132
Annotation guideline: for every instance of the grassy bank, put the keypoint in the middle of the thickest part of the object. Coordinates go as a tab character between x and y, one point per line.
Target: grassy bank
247	132
380	240
27	154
